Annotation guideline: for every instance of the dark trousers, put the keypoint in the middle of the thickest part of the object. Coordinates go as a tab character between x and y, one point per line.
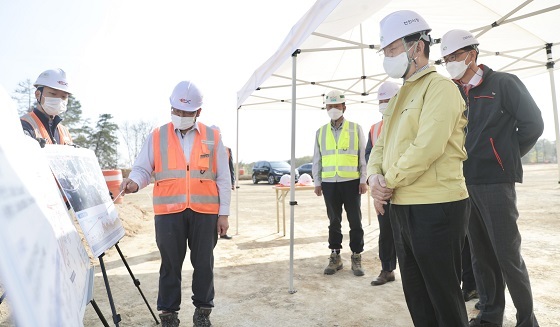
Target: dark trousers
467	277
345	194
495	245
174	232
387	253
429	239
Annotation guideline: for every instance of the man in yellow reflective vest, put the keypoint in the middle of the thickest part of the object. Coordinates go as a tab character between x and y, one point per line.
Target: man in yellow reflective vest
339	174
191	196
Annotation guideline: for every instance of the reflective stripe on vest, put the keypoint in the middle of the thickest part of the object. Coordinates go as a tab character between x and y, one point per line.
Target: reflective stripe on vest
41	131
339	158
174	188
374	132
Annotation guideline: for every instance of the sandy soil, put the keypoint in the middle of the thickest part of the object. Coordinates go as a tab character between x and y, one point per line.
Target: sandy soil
252	271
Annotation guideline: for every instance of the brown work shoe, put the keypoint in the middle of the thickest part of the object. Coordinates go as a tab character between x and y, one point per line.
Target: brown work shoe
357	264
335	263
169	319
383	278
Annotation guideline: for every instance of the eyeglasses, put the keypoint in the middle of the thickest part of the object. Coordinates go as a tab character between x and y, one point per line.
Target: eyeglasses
393	51
452	57
390	52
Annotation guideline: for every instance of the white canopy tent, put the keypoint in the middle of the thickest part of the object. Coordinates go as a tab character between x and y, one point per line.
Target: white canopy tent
334	46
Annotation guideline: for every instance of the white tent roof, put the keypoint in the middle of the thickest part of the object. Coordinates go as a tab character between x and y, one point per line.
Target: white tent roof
339	40
336	41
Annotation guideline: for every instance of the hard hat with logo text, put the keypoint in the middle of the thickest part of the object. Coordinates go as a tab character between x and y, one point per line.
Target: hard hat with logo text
305	179
186	96
400	24
285	180
387	90
53	78
334	97
455	40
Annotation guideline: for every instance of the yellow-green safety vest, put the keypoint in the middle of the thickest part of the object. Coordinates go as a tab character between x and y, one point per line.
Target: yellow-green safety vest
339	157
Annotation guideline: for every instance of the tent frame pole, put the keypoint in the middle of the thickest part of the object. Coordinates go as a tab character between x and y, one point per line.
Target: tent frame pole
550	68
236	186
293	201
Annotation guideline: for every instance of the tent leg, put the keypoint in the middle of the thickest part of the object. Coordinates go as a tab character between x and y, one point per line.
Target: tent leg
550	67
292	171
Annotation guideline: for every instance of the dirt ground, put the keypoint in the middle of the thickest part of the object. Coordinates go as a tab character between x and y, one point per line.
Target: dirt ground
252	271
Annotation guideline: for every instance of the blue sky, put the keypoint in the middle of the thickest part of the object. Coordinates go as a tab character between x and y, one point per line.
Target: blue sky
125	57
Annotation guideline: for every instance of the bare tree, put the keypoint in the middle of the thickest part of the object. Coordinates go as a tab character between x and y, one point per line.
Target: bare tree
134	135
25	97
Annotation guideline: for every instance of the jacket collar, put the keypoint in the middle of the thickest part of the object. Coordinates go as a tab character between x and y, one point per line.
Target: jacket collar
45	119
419	75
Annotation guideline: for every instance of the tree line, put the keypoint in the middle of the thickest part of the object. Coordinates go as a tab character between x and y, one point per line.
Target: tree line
102	136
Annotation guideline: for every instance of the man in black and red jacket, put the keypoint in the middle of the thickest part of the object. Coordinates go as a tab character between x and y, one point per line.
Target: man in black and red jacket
504	123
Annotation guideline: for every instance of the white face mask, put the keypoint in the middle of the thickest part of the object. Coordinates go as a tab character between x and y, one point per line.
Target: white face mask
182	123
457	68
397	66
383	106
54	106
334	113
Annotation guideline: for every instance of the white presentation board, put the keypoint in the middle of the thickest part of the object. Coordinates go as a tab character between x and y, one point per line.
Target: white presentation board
44	266
81	179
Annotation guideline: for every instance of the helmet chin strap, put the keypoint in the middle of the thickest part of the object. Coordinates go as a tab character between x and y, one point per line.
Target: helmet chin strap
39	100
410	60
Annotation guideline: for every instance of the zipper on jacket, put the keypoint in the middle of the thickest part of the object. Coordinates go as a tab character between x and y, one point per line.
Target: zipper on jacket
496	154
467	109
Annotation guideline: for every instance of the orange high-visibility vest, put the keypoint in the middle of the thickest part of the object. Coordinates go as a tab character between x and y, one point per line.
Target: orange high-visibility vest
374	132
41	131
179	186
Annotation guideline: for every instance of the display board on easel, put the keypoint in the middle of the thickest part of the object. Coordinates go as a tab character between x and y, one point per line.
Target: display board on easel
44	266
80	177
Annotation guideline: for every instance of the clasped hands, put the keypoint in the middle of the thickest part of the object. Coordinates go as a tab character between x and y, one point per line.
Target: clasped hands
379	192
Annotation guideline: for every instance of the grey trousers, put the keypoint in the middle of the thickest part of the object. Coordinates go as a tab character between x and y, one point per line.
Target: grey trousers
495	247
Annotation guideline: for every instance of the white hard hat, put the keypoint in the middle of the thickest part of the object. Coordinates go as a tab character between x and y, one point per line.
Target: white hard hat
387	90
285	180
455	40
334	97
305	179
186	96
53	78
400	24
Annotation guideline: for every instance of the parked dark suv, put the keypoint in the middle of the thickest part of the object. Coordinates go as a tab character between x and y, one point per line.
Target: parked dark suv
271	171
305	169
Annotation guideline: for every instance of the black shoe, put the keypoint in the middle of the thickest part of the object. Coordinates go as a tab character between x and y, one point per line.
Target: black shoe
226	236
475	322
169	319
469	295
201	317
